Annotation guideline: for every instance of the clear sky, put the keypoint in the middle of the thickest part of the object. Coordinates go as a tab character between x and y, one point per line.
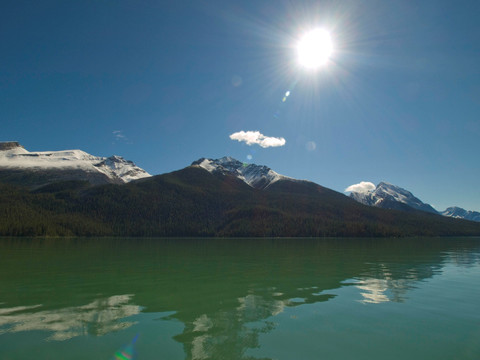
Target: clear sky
164	83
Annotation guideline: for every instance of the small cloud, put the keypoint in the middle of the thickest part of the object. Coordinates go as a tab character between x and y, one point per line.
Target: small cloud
255	137
362	187
119	135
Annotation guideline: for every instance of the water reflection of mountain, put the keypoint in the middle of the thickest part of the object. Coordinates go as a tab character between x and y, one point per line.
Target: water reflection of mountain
386	281
225	292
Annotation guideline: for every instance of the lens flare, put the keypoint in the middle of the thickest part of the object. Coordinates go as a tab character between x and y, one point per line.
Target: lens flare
127	352
310	146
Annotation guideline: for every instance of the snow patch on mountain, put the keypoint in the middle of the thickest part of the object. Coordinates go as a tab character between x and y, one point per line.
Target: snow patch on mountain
15	156
207	165
257	176
386	190
117	167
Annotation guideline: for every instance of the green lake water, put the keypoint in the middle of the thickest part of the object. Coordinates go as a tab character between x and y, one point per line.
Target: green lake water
240	298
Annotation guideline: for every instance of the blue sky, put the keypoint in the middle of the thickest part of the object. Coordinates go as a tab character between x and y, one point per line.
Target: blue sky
164	83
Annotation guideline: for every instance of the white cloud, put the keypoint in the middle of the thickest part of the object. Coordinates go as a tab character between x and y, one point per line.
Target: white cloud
362	187
119	135
255	137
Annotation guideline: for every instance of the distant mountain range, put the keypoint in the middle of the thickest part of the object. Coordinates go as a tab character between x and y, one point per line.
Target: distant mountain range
460	213
73	193
388	196
385	195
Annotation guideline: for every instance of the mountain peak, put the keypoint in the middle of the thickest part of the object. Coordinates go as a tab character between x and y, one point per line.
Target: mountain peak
387	185
257	176
387	195
227	159
68	165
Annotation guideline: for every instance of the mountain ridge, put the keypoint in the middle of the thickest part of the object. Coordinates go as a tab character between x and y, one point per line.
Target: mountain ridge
18	164
68	171
458	212
195	202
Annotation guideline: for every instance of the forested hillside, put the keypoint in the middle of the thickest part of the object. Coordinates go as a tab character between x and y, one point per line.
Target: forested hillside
194	202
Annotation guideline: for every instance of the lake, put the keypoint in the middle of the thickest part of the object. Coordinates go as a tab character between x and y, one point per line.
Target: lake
240	298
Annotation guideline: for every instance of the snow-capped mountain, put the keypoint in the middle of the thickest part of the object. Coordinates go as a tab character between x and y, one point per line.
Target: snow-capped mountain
257	176
458	212
117	167
36	169
390	196
67	165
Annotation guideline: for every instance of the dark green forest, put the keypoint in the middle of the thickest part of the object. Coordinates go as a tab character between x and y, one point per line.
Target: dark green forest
194	202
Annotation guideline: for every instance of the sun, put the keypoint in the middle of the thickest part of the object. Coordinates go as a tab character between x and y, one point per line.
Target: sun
315	48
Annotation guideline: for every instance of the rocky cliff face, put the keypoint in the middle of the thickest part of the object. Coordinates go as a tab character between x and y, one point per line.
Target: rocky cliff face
9	145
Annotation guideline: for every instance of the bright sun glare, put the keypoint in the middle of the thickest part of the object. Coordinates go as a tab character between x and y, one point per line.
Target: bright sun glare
315	48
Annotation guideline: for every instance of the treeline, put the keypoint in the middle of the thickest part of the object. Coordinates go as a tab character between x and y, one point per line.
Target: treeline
23	213
193	202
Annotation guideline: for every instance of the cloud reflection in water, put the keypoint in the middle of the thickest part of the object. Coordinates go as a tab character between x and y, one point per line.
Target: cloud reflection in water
99	317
